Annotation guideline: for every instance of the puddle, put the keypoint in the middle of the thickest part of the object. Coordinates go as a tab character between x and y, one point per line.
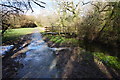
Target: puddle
39	61
3	49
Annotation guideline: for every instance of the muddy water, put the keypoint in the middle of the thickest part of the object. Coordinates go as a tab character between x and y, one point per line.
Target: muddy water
39	62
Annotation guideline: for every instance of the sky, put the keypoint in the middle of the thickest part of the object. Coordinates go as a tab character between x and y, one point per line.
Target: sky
49	8
37	10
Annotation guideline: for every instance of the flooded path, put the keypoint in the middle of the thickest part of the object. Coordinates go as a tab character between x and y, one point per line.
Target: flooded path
39	62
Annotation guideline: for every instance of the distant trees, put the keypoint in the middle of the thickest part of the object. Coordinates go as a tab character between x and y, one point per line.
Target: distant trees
100	23
68	12
12	9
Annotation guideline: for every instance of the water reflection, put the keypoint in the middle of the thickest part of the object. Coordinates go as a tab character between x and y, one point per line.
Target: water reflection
39	61
3	49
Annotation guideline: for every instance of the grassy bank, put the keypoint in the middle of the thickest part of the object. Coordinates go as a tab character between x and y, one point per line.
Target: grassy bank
62	40
110	61
13	34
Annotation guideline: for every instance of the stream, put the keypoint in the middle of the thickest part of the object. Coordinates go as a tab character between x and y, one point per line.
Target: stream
39	61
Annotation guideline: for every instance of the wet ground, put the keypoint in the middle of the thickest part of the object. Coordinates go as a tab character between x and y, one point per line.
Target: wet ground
39	60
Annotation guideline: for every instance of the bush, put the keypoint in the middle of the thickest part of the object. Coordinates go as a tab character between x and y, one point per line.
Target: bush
29	25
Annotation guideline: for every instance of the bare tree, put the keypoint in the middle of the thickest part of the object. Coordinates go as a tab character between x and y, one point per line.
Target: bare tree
16	7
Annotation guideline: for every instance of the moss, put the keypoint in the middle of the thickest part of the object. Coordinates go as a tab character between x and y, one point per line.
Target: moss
108	60
58	41
62	40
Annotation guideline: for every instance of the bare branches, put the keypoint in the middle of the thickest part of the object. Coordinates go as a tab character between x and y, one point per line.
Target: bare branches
38	4
86	3
104	9
21	5
30	5
98	7
95	6
41	1
12	7
77	5
16	6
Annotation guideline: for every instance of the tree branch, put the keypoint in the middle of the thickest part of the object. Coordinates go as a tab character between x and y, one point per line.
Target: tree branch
41	1
30	6
38	4
85	3
12	7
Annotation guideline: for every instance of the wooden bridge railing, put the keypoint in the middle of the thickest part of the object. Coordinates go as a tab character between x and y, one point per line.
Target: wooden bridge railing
49	30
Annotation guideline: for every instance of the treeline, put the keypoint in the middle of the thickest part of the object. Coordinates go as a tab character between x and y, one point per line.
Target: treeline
12	13
103	24
100	24
17	21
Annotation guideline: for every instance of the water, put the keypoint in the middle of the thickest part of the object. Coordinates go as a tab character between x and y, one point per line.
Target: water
39	61
3	49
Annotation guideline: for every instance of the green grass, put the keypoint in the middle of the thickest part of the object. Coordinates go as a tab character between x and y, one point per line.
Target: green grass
62	40
108	60
12	34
